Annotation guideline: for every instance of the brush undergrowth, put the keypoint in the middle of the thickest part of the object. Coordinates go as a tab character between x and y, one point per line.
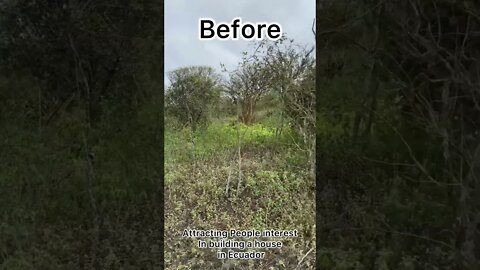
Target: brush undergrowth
202	192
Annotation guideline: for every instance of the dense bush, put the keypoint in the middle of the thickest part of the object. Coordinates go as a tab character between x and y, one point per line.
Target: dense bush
192	95
80	148
396	151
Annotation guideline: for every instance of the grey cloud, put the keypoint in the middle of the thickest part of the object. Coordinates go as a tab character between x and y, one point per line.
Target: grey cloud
182	47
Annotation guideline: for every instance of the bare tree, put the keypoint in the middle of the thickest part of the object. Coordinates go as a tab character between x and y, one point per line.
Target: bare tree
292	67
248	84
438	59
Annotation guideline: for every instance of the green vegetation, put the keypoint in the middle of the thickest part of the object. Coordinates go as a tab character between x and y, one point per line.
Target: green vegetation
81	121
196	89
397	135
248	168
201	176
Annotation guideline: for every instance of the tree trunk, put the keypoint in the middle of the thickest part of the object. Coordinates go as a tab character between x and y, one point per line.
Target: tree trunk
469	214
248	111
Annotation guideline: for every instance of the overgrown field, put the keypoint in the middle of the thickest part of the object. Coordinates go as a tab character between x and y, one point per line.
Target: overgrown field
398	145
51	219
207	186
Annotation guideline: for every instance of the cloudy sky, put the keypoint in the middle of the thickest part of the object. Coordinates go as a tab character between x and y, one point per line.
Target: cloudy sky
183	48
